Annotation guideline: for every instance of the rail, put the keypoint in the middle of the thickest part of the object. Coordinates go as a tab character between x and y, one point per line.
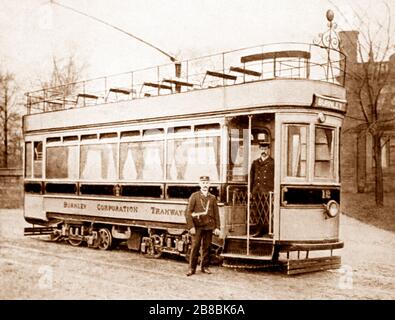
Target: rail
265	62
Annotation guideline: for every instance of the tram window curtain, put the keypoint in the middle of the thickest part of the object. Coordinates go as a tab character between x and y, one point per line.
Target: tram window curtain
28	160
189	158
37	159
324	153
297	150
141	160
238	164
62	162
98	161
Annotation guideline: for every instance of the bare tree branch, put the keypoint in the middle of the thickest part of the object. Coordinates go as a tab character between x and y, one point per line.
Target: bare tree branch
369	79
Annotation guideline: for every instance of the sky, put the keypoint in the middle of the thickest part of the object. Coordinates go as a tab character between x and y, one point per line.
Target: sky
33	31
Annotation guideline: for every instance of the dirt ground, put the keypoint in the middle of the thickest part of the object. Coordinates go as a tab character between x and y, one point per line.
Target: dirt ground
35	269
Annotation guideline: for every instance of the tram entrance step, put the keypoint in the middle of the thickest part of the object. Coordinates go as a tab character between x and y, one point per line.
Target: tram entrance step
246	257
257	247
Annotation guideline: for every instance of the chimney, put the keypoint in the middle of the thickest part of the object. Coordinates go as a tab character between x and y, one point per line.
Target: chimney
349	45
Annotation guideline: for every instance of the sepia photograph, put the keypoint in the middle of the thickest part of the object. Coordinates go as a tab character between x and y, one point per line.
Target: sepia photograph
197	151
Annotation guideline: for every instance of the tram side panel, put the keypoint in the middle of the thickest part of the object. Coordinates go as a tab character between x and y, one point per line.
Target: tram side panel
40	210
34	208
307	224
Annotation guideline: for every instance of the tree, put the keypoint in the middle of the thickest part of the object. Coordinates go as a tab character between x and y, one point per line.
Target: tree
10	121
63	78
369	81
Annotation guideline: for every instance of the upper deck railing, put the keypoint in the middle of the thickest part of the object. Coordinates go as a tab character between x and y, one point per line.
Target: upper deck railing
265	62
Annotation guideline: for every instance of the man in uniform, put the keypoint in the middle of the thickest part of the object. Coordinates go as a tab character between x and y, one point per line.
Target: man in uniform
202	218
262	182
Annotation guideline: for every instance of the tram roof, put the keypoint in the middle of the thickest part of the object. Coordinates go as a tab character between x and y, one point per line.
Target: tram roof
265	76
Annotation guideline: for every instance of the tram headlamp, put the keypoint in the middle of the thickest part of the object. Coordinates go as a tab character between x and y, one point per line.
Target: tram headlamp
332	208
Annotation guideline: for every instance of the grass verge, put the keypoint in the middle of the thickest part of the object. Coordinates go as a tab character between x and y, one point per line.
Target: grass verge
362	206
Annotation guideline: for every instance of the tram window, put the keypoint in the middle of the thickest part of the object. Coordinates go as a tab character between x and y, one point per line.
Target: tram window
52	140
28	160
306	195
324	153
128	134
98	161
38	159
183	129
142	191
33	187
70	138
108	135
184	192
238	167
69	188
207	127
62	162
141	160
297	150
181	192
153	132
189	158
101	190
88	137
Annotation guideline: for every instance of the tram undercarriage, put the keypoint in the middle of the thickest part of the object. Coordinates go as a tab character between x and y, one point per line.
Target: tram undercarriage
152	242
263	252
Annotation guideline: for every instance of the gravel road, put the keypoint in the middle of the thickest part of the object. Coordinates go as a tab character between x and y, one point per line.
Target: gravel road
32	268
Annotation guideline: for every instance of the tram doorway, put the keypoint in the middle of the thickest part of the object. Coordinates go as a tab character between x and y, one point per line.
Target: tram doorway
261	176
251	165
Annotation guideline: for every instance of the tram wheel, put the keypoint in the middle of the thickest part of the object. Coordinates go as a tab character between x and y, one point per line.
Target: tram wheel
75	242
105	239
154	249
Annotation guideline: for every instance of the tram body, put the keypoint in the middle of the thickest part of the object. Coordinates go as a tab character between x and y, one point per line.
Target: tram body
120	164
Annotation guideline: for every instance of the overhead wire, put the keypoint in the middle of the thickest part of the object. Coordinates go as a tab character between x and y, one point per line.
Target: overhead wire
173	59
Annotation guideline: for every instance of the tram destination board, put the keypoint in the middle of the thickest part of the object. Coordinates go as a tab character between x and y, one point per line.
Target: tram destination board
329	103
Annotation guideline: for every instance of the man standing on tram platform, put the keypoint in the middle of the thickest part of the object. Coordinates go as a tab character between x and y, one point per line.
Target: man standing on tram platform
202	218
262	182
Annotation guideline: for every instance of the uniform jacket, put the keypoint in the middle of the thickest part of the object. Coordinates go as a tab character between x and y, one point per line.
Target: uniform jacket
262	175
198	203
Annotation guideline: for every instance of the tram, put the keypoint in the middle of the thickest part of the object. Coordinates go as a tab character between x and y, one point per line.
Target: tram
115	159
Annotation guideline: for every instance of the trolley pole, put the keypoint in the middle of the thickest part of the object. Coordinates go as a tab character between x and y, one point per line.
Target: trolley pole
177	65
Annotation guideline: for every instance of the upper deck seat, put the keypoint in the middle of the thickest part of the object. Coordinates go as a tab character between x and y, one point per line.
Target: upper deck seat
245	71
86	96
158	86
125	92
282	57
219	75
179	83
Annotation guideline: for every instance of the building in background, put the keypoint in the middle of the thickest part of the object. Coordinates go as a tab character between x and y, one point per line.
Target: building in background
357	161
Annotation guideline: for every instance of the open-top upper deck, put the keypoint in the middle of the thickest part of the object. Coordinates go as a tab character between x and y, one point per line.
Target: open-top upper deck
287	74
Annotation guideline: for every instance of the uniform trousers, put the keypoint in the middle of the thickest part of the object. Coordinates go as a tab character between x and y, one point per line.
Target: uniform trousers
202	238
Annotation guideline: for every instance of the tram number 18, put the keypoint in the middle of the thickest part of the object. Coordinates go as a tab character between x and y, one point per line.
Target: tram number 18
326	194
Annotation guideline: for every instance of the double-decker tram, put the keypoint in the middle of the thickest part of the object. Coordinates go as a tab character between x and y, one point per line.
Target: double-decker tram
115	159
